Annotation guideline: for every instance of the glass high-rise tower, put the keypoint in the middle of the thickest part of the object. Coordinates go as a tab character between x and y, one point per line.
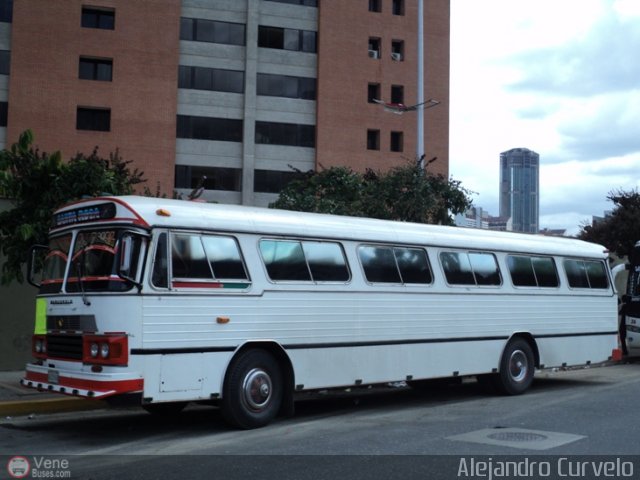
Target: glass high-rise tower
520	189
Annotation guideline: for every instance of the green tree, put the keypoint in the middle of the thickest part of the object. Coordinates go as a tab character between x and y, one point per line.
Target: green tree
619	231
404	193
37	183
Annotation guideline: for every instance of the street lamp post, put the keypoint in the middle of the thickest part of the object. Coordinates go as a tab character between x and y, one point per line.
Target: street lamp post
420	101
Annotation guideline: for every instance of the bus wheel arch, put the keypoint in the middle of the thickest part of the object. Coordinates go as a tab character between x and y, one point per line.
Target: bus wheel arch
517	364
258	385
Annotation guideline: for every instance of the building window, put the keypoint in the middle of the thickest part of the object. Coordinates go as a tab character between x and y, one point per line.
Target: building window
287	39
397	94
288	134
306	3
95	69
396	141
103	18
286	86
373	139
397	7
201	30
397	50
375	6
212	178
6	11
374	47
5	62
96	119
273	181
209	128
214	79
373	92
4	112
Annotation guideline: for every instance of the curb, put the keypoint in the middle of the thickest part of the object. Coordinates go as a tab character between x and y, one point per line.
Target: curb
48	405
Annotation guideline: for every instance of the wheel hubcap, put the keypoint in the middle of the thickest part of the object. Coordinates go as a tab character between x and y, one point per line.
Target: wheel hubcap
518	366
257	389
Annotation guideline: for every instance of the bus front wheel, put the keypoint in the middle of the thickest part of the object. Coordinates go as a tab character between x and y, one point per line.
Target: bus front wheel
517	367
252	390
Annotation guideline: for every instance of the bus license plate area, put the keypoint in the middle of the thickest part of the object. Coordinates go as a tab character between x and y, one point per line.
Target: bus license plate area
53	377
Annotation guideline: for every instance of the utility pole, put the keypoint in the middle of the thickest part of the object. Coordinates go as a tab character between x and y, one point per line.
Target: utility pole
420	101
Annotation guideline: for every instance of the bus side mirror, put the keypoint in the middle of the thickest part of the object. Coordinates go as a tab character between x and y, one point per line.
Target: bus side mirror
35	262
126	252
129	248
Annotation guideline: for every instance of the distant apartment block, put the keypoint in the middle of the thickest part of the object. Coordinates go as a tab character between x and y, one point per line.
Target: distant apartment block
520	189
477	217
234	94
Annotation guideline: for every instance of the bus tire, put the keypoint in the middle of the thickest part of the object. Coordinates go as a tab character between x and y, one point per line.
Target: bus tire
253	390
517	367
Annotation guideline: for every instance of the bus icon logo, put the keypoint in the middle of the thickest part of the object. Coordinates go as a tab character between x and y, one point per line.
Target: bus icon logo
18	467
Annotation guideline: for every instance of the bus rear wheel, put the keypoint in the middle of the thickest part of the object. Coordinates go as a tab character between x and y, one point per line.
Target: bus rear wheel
253	390
517	367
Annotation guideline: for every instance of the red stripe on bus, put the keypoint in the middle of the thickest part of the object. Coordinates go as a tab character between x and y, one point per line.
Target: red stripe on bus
197	285
114	386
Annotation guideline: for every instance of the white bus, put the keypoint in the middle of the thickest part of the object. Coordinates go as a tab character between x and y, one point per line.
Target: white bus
164	302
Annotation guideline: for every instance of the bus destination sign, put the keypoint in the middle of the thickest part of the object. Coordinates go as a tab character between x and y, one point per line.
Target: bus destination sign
102	211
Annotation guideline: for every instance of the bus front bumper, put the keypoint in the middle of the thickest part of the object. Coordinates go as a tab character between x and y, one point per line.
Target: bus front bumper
81	384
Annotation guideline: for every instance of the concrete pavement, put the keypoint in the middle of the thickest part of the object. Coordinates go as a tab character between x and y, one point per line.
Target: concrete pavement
17	400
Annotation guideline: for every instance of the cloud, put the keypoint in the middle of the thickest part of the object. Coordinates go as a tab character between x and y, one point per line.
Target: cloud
559	77
611	131
604	60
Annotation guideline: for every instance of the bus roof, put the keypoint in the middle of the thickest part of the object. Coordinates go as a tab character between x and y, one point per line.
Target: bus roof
167	213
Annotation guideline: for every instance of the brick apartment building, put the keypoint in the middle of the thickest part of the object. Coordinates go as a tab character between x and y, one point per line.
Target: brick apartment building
236	90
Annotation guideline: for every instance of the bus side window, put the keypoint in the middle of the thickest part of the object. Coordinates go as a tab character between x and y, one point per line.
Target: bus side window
546	273
326	261
586	274
188	259
224	257
597	275
457	268
379	264
413	265
284	260
485	269
159	276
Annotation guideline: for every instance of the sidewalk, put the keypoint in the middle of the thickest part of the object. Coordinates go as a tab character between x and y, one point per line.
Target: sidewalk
17	400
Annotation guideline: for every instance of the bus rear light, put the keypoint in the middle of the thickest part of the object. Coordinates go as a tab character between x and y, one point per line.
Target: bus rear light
39	346
107	349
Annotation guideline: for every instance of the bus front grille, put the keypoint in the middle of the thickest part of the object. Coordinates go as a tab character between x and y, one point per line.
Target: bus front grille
64	346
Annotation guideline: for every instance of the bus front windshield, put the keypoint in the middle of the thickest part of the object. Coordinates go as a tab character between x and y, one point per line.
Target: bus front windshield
90	261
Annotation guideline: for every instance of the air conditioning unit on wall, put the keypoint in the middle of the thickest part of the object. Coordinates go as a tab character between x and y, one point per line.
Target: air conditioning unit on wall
374	54
396	56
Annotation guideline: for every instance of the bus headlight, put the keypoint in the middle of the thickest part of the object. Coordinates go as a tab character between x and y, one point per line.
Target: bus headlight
105	349
39	346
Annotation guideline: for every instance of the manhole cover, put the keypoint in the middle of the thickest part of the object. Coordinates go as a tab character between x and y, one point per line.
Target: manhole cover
517	437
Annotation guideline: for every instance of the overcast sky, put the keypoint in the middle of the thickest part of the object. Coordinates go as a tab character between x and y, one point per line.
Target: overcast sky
560	77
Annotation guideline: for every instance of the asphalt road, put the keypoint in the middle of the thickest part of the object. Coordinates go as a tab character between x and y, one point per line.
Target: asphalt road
377	433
